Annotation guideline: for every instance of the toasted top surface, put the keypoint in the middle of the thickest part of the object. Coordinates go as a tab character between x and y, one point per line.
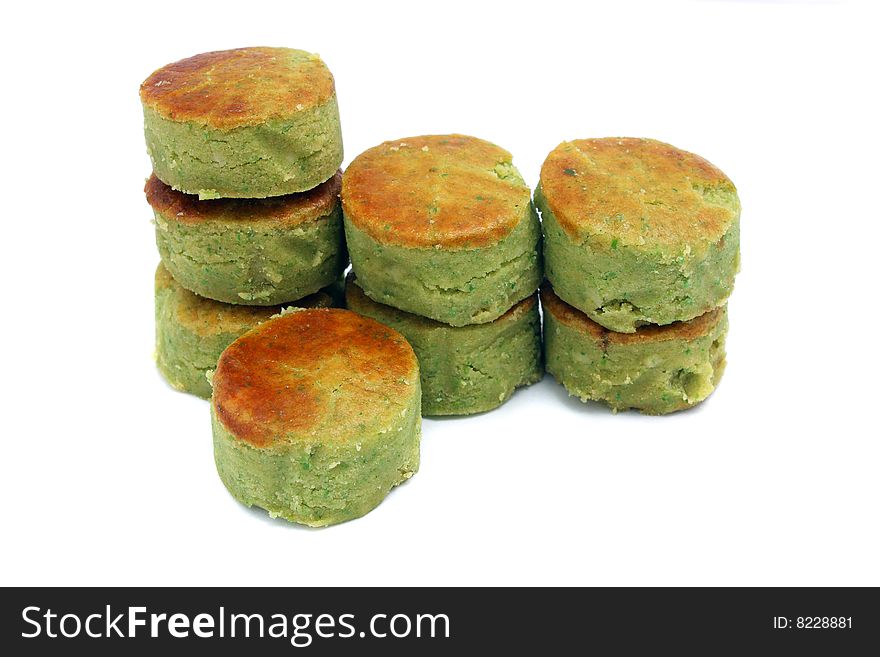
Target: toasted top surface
637	191
356	299
207	317
318	373
243	87
690	330
449	190
290	210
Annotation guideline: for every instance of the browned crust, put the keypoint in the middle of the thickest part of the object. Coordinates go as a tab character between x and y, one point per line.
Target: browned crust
635	190
290	210
574	318
233	88
434	190
309	370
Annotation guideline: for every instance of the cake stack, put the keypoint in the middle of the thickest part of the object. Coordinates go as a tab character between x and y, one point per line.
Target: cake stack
246	148
444	246
641	247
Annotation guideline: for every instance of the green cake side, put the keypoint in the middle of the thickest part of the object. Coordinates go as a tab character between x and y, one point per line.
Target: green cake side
656	370
272	159
623	288
319	483
467	369
251	252
261	266
456	287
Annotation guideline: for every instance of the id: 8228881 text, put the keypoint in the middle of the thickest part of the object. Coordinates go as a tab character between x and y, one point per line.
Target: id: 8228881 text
813	623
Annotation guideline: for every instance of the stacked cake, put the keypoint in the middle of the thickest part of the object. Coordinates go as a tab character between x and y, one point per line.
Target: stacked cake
246	148
641	246
315	411
444	246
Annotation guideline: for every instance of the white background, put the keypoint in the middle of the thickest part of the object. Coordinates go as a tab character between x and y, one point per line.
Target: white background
107	474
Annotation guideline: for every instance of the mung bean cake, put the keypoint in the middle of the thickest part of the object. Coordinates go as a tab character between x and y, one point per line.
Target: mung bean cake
441	226
243	123
637	231
260	252
656	369
316	415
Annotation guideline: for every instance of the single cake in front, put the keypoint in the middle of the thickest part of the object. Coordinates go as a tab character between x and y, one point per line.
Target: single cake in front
316	415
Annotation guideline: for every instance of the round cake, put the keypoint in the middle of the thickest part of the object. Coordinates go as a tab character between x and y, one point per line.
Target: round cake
243	123
316	415
441	226
192	331
464	369
260	252
637	231
657	369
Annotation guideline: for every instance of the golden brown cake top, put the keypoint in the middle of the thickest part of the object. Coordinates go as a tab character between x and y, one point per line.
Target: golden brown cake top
243	87
570	316
449	191
322	373
290	210
637	191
